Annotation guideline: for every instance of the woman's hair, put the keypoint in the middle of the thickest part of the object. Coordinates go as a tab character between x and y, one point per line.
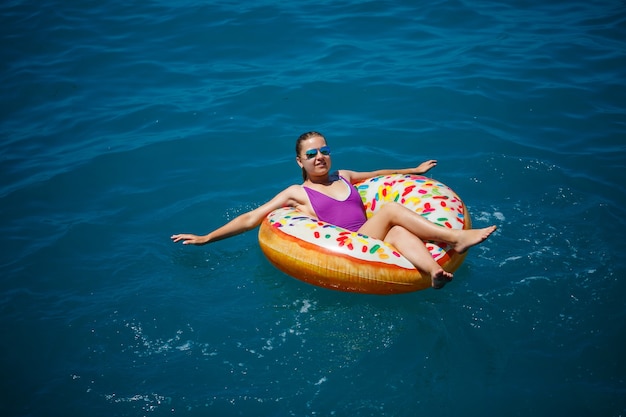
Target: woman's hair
302	138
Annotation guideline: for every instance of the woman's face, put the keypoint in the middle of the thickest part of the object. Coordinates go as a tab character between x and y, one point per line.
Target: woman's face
314	156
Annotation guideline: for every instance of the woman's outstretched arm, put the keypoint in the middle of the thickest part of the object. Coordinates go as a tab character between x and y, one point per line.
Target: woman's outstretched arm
356	176
291	196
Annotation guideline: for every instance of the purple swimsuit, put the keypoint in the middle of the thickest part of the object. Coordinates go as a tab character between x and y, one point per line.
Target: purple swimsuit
349	213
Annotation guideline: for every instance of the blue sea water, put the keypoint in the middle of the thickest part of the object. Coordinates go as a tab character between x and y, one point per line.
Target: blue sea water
125	122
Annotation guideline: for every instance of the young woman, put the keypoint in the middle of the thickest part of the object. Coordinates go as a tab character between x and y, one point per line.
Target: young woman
330	196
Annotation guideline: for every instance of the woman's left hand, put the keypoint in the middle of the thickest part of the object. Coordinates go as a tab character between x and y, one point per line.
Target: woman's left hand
426	166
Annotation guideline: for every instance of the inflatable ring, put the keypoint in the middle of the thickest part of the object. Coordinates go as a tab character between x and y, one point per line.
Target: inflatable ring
325	255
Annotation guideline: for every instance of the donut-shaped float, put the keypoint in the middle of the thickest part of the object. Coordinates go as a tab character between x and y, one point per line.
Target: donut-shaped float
328	256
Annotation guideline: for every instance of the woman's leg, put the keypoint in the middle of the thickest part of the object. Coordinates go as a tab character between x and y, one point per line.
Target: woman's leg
395	214
413	249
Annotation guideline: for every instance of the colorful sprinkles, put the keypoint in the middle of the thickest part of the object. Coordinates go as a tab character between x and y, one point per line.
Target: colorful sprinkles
431	199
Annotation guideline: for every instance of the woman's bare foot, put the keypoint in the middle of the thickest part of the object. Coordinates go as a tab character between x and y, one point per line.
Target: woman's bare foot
472	237
440	278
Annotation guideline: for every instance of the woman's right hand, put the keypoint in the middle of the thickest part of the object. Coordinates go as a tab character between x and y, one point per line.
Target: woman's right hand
189	239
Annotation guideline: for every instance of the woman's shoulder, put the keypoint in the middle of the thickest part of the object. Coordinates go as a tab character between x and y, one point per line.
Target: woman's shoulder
296	191
345	174
293	195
